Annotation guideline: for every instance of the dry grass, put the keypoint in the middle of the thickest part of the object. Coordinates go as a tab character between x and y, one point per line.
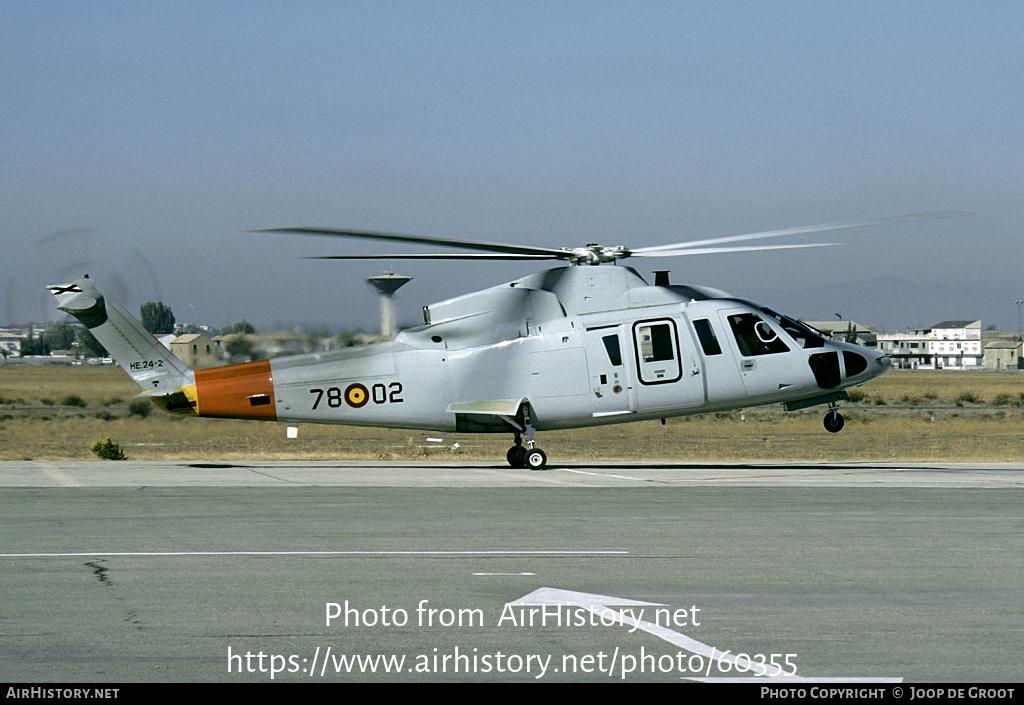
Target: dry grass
35	423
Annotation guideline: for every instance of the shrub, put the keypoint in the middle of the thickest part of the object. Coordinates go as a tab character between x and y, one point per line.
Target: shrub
106	449
856	395
73	400
968	398
1002	399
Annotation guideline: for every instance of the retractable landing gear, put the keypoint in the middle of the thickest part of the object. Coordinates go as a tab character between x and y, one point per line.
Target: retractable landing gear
530	456
516	455
834	421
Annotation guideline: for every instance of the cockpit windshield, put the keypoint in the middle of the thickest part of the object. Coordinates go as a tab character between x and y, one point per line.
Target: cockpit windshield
804	336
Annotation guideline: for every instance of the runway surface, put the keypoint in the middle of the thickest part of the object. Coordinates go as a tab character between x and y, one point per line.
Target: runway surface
334	572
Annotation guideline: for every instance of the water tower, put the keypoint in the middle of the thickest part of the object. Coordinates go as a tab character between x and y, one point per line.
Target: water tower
386	285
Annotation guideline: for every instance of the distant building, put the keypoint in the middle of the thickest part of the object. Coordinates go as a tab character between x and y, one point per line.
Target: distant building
837	330
196	350
949	345
186	328
1002	355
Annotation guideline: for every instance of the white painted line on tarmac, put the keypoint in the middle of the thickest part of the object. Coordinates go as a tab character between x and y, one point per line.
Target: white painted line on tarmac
60	478
601	606
604	474
144	554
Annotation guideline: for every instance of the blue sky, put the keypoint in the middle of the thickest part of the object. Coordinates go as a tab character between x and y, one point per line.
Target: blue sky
141	140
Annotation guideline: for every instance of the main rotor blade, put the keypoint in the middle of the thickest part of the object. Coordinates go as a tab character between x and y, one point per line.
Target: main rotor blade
446	242
454	255
682	252
844	225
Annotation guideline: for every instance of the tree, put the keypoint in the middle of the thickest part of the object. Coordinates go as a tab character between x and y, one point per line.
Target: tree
93	346
851	333
242	327
33	345
157	318
240	349
60	336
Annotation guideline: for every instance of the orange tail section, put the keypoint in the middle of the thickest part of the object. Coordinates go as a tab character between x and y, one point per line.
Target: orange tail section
243	391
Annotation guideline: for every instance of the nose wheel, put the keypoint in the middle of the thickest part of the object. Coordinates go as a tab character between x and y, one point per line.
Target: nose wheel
536	459
834	421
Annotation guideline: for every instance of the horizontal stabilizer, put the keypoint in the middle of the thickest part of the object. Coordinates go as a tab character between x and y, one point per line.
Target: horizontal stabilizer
158	393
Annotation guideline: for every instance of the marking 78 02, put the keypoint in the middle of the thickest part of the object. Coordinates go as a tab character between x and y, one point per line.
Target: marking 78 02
378	393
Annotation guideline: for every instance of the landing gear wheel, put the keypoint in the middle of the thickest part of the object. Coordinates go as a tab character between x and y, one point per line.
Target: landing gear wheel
536	459
516	456
834	422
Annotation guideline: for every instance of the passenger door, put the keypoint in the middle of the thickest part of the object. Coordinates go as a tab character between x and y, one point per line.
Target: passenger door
667	365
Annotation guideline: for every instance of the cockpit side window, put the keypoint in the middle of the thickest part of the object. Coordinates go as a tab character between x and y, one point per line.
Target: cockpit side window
755	336
804	336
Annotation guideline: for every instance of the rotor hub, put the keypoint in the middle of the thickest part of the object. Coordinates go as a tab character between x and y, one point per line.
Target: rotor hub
594	254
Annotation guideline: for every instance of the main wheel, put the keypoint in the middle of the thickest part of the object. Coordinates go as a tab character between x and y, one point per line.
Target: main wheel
536	459
834	422
516	456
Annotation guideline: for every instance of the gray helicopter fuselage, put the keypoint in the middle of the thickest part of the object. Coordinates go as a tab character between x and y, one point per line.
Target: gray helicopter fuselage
565	348
582	346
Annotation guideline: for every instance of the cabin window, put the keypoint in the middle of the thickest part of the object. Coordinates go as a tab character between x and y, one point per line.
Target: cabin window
706	334
655	343
611	346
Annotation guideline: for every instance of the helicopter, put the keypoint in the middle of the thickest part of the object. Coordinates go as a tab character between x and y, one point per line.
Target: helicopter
569	347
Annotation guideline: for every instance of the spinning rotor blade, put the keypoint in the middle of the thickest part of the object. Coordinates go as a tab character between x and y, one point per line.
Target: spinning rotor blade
647	252
497	247
680	248
495	256
596	254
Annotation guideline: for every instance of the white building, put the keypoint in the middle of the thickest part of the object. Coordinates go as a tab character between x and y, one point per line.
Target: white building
949	345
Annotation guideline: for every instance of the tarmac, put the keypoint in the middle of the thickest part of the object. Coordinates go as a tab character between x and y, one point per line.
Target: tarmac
327	572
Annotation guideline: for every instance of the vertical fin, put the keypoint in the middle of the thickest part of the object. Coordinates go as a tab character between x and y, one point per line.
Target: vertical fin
153	367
